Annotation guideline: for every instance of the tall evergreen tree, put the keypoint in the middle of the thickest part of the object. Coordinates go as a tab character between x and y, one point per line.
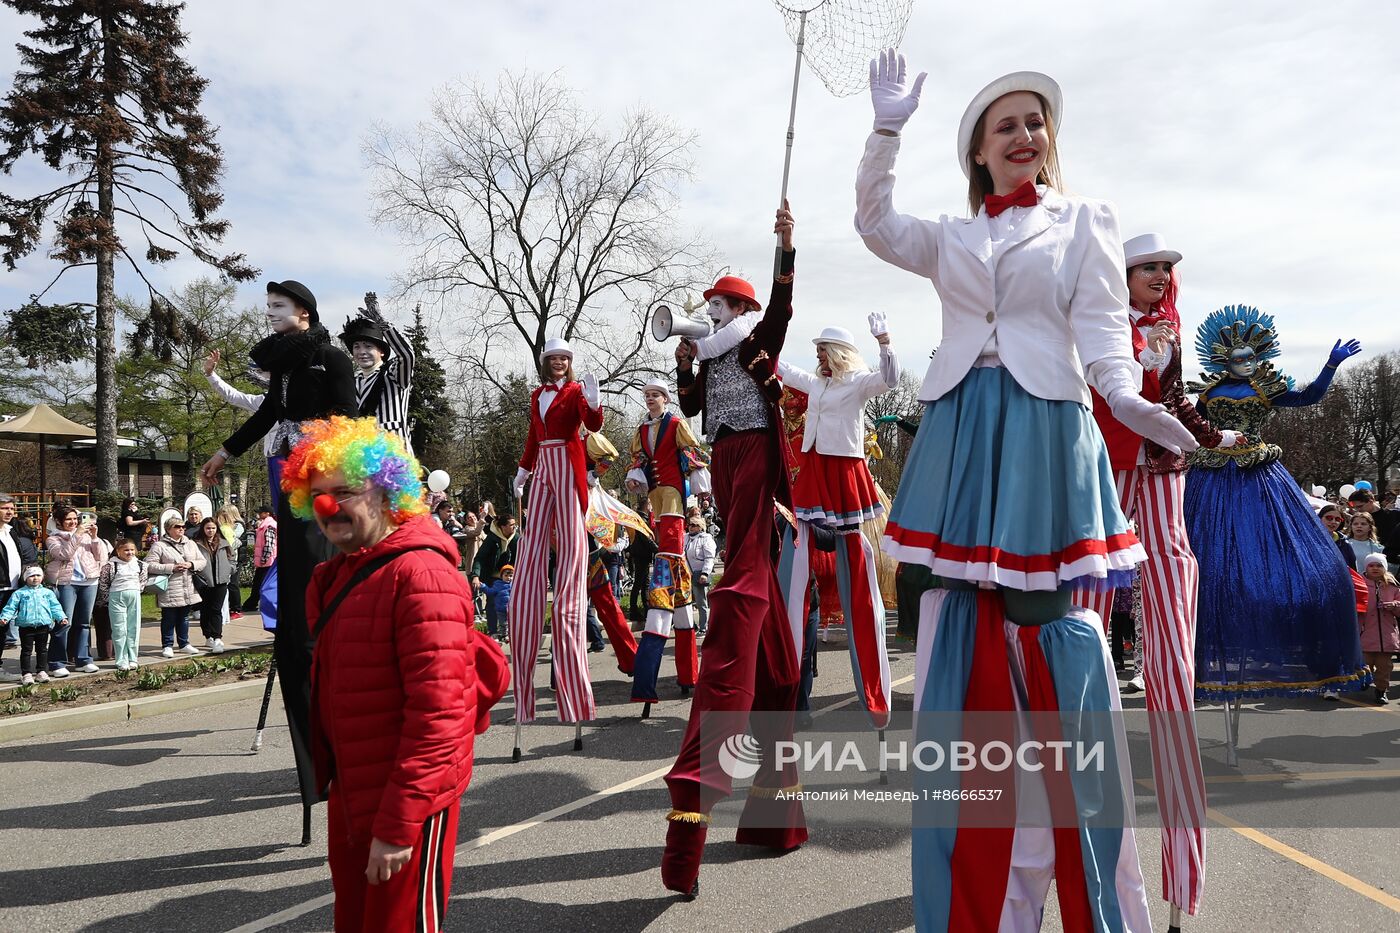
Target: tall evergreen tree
103	98
428	408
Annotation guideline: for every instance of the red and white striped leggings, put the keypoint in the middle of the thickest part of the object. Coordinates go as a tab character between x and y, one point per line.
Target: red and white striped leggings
554	517
1169	584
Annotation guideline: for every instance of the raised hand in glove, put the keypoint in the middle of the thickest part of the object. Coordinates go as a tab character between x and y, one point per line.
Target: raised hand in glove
1341	352
879	326
590	390
893	100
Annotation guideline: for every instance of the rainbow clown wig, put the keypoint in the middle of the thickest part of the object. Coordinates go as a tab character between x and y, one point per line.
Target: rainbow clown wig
365	453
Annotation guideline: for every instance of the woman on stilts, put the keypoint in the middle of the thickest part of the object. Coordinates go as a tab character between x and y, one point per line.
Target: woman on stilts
1008	497
1278	610
834	489
1151	483
554	456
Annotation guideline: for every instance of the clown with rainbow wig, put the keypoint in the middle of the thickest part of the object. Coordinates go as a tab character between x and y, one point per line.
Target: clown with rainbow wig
401	681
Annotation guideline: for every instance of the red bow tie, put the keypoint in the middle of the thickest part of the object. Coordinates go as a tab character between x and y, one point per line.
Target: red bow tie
1024	196
550	387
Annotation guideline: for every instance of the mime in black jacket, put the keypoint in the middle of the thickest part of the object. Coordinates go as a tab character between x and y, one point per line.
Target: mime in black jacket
311	378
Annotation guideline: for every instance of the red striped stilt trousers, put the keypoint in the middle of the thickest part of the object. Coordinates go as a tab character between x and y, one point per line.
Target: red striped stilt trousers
414	900
859	592
1169	580
553	517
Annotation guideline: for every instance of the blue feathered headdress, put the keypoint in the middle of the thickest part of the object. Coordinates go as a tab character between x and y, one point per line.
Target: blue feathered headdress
1230	328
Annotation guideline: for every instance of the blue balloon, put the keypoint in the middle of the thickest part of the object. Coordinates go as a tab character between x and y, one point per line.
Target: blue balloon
1364	484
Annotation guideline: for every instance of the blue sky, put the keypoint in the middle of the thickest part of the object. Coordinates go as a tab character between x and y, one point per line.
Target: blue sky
1260	138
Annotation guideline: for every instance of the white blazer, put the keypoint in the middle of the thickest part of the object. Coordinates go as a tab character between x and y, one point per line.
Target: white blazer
1054	292
835	423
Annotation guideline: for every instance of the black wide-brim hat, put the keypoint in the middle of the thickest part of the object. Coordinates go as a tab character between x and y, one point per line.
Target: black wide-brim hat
364	329
298	293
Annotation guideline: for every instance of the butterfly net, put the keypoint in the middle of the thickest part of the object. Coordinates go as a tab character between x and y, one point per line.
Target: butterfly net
842	36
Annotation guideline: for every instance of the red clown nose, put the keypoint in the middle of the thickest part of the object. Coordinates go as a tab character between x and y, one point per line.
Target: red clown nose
325	505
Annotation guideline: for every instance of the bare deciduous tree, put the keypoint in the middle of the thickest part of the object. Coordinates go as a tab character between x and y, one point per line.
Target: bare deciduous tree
523	209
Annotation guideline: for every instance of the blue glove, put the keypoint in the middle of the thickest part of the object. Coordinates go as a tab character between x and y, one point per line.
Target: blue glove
1341	352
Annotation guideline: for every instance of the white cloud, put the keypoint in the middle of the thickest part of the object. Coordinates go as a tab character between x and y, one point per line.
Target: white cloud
1257	136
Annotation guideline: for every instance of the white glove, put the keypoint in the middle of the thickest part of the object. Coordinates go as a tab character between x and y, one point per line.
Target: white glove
1228	439
521	475
879	324
893	101
590	389
1152	421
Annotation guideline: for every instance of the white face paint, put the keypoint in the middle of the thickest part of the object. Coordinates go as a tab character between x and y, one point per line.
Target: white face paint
720	311
282	313
367	355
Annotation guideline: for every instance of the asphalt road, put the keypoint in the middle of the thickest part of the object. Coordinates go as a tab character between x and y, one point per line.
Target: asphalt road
170	823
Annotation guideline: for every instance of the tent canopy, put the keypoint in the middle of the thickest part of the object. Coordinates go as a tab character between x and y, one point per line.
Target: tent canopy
44	425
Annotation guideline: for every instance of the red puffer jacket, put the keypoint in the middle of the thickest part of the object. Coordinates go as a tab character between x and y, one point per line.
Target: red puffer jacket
401	684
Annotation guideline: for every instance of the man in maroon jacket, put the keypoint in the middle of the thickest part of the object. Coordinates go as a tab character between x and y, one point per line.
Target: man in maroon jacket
401	680
750	661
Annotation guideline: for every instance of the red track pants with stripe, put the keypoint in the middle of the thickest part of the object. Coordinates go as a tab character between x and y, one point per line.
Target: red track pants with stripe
414	900
1169	584
554	517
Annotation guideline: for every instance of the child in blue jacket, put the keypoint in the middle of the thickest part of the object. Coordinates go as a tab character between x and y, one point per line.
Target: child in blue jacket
498	592
37	609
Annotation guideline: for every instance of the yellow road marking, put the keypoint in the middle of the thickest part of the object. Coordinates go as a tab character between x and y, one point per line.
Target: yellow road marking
1380	709
1370	892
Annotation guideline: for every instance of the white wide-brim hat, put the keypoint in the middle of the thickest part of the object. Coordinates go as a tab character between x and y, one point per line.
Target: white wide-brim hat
1033	81
1148	247
659	386
837	335
555	346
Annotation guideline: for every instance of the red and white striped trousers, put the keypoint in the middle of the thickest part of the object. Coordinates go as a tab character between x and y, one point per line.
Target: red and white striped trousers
1169	581
554	517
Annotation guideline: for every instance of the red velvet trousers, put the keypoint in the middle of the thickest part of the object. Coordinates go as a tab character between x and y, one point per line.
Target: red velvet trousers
749	662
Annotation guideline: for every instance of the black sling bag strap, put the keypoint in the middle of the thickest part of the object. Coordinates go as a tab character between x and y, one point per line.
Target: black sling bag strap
360	576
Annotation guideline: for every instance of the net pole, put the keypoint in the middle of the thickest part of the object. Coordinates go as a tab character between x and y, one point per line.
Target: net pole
791	131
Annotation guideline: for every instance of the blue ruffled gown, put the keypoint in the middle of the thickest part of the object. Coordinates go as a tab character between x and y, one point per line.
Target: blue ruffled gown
1277	613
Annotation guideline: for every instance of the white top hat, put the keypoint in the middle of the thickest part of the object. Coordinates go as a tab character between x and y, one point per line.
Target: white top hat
1148	247
837	335
659	386
1033	81
557	345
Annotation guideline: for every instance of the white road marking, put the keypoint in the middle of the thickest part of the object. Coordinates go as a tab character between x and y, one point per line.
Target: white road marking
505	832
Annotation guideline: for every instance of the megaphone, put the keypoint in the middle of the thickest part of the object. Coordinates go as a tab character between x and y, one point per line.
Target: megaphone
666	324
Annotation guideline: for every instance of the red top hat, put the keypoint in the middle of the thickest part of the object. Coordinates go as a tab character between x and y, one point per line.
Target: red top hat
731	286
